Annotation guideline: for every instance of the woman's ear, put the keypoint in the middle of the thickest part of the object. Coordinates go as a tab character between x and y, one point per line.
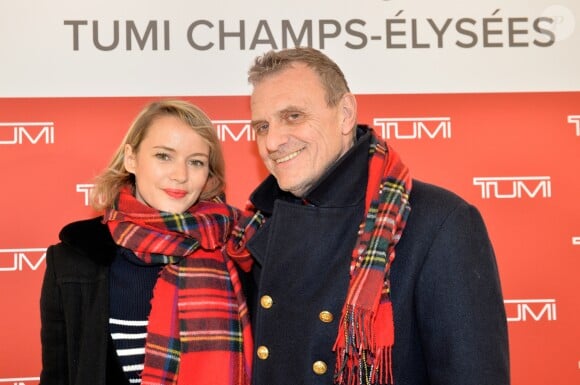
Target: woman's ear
129	159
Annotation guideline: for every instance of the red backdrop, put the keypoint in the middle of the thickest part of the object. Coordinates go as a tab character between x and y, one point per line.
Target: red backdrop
516	156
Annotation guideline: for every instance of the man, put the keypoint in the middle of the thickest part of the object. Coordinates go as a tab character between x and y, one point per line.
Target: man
361	275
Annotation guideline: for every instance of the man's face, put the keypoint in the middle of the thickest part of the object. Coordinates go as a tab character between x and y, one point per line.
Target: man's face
298	135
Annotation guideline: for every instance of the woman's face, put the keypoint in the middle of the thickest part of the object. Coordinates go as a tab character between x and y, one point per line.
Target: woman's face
171	167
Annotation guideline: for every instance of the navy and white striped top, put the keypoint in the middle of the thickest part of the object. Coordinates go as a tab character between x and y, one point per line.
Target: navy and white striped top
131	285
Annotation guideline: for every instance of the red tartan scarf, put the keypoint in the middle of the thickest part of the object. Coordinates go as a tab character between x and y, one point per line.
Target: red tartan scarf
366	331
198	329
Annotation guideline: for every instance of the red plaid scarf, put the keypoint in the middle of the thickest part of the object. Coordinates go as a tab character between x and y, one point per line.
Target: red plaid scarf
366	331
198	329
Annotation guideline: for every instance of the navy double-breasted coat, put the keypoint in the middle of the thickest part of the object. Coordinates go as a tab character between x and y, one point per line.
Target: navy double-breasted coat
449	317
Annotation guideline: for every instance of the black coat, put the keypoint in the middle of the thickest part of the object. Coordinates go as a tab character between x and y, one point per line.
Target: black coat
449	317
76	345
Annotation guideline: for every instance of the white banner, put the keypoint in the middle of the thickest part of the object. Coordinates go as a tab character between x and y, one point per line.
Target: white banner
181	47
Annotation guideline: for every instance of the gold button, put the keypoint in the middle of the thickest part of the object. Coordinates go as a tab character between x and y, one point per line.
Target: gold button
263	352
319	367
326	316
266	301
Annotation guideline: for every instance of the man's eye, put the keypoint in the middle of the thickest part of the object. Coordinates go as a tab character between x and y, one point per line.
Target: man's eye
294	116
261	128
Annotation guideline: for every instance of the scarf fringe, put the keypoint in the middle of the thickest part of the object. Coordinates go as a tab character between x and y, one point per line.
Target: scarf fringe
364	356
356	373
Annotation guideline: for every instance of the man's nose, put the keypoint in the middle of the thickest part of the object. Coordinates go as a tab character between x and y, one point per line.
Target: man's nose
276	136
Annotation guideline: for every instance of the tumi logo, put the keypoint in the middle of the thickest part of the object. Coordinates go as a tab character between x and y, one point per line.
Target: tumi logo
17	133
21	259
575	119
234	130
414	128
514	187
85	189
20	380
522	310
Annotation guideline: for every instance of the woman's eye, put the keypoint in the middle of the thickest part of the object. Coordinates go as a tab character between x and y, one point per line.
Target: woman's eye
162	156
197	163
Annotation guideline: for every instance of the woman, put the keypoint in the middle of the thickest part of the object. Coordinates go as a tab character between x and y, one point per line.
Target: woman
143	293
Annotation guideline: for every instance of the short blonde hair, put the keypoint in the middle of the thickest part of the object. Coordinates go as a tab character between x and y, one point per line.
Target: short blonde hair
115	176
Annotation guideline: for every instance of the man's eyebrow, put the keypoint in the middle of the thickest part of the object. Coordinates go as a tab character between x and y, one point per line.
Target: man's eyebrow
254	122
282	112
291	108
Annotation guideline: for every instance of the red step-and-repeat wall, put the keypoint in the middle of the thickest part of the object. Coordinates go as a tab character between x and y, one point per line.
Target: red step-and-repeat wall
481	99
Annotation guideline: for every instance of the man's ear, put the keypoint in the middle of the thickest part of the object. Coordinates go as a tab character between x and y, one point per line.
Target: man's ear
129	159
348	110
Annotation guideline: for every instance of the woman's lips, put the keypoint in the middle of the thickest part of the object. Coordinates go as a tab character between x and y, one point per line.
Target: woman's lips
175	193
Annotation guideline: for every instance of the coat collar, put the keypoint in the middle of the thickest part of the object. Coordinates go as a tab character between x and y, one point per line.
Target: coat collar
91	237
339	187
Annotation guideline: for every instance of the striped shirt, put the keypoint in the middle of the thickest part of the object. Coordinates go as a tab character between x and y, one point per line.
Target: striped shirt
131	285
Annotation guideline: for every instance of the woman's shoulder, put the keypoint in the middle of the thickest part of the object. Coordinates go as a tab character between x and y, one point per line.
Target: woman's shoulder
82	231
83	242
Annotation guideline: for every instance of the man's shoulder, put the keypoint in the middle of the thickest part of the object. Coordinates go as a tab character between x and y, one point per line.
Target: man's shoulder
425	194
436	212
431	205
